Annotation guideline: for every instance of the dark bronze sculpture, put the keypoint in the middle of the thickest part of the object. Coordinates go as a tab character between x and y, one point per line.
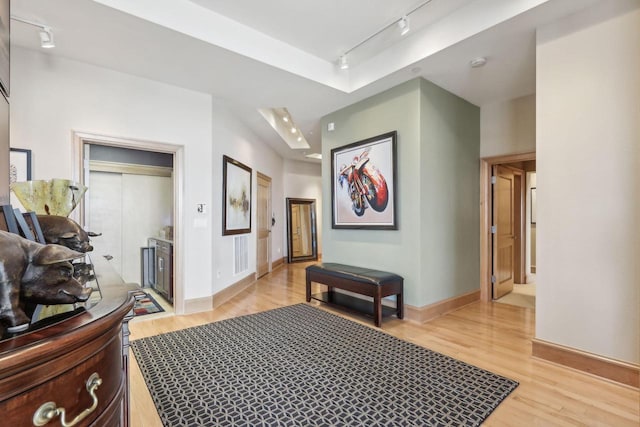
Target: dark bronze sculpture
34	273
64	231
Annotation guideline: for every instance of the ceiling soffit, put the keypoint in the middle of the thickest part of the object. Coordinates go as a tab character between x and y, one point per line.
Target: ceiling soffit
199	22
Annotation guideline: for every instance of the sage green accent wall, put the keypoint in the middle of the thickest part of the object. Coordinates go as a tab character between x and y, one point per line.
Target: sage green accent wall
437	202
450	194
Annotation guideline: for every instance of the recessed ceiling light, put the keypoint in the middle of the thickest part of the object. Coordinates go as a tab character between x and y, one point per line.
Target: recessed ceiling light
316	156
478	62
285	128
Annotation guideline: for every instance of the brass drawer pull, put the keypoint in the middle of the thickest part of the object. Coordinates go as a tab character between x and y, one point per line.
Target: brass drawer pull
49	410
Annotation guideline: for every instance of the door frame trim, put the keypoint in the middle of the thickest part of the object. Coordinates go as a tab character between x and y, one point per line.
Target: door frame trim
486	165
264	177
80	138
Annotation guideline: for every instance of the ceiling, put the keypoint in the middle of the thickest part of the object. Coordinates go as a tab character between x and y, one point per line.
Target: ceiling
255	54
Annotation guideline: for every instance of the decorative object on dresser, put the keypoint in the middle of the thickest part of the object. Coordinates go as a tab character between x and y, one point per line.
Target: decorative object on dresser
35	273
73	367
66	232
299	365
52	197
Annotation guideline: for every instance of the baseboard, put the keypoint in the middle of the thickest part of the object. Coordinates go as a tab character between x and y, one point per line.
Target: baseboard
197	305
431	311
232	290
611	369
277	263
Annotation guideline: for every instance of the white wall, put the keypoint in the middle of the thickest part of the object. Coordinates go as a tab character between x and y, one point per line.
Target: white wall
52	97
232	138
508	127
588	152
303	180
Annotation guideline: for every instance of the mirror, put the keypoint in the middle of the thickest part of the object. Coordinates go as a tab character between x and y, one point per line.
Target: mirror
301	230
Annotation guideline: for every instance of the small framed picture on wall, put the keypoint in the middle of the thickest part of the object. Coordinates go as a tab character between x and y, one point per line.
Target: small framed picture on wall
236	193
19	165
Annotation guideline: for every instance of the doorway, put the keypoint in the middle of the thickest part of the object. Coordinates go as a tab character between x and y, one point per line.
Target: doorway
505	226
82	143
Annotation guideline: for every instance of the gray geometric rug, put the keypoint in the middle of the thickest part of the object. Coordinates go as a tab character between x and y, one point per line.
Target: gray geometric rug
301	366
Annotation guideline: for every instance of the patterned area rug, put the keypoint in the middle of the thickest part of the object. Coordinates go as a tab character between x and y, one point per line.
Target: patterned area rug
146	305
302	366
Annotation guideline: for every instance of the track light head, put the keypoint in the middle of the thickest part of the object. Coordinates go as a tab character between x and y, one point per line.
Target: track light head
344	63
46	38
46	35
403	24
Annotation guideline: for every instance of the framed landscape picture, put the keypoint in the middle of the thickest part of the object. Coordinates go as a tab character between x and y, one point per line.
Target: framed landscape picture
363	188
236	197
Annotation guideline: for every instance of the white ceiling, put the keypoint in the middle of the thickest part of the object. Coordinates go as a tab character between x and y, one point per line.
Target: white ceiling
282	53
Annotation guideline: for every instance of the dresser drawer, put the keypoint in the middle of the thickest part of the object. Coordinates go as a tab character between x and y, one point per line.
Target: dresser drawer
69	389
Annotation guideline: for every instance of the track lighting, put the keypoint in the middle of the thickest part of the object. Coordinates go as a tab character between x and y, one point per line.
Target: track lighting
46	38
344	63
403	24
46	35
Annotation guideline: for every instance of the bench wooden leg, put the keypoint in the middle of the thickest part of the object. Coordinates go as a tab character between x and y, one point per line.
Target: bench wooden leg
377	310
399	306
308	288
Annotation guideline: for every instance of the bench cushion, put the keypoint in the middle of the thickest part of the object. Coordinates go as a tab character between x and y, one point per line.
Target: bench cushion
359	274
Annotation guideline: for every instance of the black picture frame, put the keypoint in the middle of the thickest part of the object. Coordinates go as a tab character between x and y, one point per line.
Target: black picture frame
8	219
236	197
308	223
364	184
31	219
19	165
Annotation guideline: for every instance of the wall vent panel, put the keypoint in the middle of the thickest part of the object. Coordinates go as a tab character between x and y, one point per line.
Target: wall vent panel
240	254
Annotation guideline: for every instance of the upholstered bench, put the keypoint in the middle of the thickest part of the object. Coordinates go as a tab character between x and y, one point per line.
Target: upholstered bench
363	281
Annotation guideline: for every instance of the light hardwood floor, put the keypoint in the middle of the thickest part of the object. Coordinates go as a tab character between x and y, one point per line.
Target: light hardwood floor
496	337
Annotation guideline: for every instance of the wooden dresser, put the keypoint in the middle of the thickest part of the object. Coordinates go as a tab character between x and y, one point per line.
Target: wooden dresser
78	361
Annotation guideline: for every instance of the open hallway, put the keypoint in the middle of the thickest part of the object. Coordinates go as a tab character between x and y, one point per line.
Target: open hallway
496	337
